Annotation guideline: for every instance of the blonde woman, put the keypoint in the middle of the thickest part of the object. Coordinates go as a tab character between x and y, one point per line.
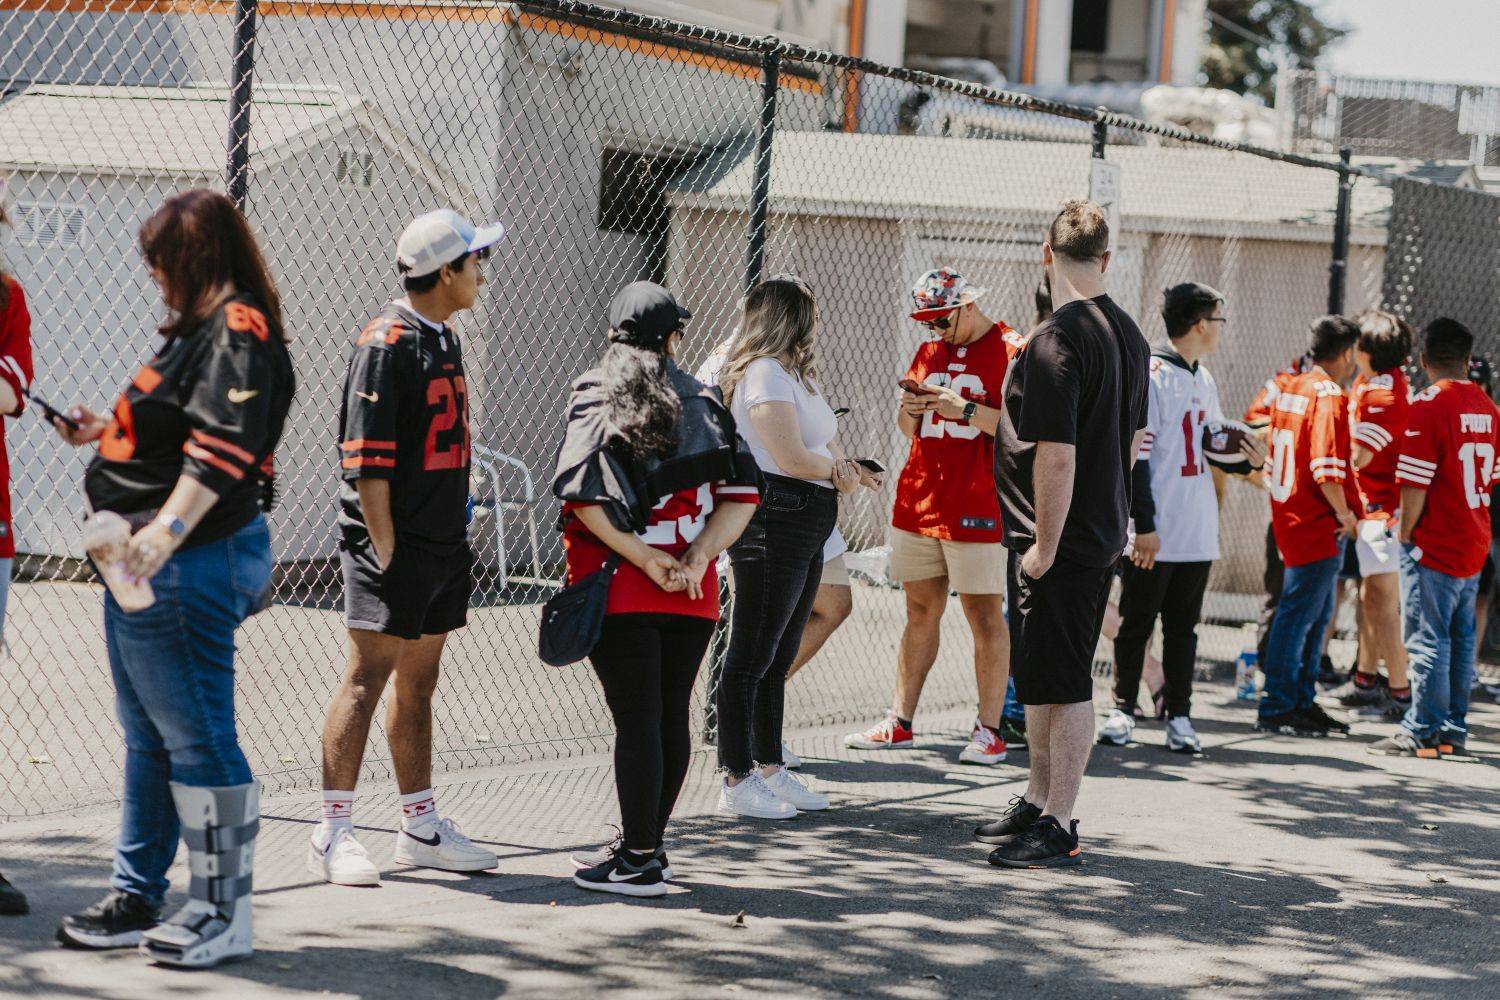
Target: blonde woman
770	383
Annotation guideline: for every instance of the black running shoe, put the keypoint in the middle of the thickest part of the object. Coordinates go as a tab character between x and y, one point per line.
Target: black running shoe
1350	695
620	875
1045	845
1013	733
1454	745
12	900
1328	723
1387	710
1404	744
1328	674
594	858
116	921
1288	724
1016	820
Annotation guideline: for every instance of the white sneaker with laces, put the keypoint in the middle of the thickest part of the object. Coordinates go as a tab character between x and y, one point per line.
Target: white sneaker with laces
340	858
788	787
1180	736
442	845
789	760
984	747
753	799
1117	728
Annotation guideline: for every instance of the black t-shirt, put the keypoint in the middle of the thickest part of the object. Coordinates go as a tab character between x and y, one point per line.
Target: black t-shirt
210	405
1081	380
405	417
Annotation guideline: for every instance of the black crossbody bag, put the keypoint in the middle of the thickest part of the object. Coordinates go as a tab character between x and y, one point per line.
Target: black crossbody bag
574	618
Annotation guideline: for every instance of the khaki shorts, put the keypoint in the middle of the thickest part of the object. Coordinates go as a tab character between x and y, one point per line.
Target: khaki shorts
835	573
971	567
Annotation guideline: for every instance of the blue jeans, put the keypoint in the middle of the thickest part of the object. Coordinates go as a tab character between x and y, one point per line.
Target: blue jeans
173	668
1013	710
5	569
1440	645
1296	641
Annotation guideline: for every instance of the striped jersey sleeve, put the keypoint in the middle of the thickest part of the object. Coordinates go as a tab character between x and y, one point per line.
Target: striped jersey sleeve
1420	448
1324	461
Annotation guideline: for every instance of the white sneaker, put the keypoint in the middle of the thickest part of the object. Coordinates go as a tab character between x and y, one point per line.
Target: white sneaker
341	859
442	845
787	787
1180	736
789	760
1117	729
752	798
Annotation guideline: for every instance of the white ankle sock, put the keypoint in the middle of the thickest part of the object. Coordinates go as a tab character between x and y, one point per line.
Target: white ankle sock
418	809
338	810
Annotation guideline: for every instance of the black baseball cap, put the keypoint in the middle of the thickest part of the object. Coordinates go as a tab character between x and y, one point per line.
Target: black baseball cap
1189	293
646	312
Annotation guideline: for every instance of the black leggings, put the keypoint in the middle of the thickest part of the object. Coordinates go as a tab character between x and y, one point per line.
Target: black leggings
1175	592
647	664
778	564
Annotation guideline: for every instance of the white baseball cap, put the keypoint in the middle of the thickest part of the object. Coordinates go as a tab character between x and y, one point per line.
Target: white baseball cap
439	238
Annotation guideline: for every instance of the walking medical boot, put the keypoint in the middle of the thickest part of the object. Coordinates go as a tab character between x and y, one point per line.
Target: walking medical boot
219	826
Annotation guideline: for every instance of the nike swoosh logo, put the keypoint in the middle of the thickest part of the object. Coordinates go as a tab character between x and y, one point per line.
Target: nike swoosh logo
1412	434
373	397
615	875
432	841
241	395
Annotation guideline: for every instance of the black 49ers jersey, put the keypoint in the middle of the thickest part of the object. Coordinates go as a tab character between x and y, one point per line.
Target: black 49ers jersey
405	418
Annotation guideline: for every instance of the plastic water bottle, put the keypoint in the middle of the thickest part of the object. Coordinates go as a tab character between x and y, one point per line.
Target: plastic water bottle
1244	675
105	535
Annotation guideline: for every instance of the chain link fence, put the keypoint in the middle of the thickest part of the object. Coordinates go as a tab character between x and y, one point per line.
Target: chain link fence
614	147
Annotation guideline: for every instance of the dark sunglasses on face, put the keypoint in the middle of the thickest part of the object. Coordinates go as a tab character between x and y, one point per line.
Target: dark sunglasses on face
941	323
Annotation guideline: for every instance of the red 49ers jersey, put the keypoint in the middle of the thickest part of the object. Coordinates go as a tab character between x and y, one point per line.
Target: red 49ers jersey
947	488
676	520
1309	444
1448	449
1259	412
1377	417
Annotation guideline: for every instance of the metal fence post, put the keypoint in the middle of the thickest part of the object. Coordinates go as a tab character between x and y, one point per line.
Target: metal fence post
237	167
1338	268
1101	135
760	194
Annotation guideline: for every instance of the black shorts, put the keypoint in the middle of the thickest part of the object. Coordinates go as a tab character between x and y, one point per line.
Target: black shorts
420	593
1054	629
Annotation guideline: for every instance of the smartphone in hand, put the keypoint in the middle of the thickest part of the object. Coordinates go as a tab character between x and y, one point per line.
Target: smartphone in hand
870	464
52	413
916	388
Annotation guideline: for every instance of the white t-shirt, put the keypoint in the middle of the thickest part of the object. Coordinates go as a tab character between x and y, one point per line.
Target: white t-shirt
766	381
1181	401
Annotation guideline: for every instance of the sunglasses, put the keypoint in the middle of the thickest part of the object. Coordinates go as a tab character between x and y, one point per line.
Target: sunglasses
941	323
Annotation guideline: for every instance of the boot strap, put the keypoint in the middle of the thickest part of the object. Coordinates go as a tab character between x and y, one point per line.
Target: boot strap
219	889
218	839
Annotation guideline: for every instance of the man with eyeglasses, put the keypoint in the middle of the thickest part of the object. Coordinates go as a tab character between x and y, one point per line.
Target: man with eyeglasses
1174	516
945	532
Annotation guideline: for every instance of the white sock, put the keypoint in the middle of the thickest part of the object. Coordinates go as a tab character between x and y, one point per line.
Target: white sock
338	811
418	809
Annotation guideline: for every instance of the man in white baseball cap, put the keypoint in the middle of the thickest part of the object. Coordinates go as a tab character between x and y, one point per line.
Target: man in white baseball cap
404	550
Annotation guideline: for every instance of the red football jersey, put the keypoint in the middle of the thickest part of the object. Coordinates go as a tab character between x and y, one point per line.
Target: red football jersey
1309	445
1449	449
15	369
1377	418
675	521
947	488
1259	412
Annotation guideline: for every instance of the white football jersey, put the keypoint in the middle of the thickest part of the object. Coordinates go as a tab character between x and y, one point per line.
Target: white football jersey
1181	401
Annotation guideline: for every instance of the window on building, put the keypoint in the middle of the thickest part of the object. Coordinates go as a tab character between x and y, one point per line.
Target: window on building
633	199
1091	26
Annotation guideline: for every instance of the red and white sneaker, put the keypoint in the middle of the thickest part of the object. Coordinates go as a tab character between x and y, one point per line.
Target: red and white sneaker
887	734
985	747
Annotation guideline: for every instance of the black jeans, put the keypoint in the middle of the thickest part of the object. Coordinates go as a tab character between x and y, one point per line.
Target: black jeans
647	664
777	564
1175	592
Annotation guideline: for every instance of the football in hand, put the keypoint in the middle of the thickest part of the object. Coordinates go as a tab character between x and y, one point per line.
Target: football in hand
1222	440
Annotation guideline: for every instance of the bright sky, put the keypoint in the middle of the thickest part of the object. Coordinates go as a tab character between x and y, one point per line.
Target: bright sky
1449	40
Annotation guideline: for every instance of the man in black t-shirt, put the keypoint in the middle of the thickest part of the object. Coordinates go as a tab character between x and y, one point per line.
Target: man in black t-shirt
1074	416
403	523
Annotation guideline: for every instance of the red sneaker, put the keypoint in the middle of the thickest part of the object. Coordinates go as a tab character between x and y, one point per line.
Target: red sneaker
985	747
888	734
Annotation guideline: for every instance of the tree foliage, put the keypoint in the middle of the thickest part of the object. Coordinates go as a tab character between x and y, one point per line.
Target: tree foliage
1234	62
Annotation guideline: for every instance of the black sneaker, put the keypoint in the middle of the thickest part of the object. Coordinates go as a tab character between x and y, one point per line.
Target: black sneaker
1387	710
1013	733
1404	744
1288	724
1016	820
597	857
1044	845
1351	695
116	921
1454	745
12	900
1328	674
1318	717
619	875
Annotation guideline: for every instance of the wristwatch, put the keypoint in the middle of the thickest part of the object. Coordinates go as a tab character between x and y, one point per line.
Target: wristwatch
970	408
175	526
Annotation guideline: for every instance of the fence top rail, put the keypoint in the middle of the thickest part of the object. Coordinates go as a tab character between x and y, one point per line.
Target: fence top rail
760	45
